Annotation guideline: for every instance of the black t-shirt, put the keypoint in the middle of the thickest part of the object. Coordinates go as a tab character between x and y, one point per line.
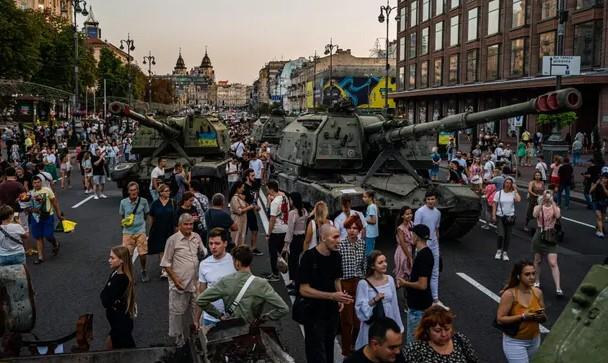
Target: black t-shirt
98	168
321	272
249	193
219	218
359	357
423	267
198	226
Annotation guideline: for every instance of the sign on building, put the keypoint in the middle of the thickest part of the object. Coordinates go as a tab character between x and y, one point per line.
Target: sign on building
561	65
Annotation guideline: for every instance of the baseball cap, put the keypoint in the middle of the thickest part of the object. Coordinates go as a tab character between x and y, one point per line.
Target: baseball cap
422	231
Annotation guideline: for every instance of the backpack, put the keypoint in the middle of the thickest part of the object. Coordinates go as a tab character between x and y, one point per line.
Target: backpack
284	209
173	186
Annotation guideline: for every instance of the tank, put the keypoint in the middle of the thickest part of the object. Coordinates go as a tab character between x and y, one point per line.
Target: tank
326	156
579	335
201	143
270	128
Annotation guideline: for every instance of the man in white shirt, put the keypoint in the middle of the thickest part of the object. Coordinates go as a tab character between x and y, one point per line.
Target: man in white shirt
257	165
488	169
347	212
499	152
238	148
277	226
212	269
156	177
542	167
233	172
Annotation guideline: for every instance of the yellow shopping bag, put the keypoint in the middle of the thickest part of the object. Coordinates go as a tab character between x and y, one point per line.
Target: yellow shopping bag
68	226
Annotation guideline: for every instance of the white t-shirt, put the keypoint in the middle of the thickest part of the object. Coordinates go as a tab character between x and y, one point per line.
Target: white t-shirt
238	148
341	218
505	203
542	167
429	217
156	173
7	245
232	168
210	271
275	211
45	178
257	165
488	170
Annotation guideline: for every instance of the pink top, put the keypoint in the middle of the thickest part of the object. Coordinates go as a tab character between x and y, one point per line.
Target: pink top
550	214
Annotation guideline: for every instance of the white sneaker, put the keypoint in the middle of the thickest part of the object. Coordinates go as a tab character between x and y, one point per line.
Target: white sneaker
498	255
87	192
95	197
439	303
599	234
505	257
103	196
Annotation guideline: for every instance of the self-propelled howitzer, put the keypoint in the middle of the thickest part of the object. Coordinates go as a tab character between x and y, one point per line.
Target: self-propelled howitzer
200	143
326	156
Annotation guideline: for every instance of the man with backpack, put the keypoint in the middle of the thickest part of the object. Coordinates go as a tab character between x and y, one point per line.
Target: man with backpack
277	226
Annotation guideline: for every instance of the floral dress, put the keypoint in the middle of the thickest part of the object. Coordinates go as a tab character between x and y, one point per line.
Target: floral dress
420	351
403	265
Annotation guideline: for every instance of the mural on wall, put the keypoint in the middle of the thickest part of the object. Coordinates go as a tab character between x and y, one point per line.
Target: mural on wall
363	92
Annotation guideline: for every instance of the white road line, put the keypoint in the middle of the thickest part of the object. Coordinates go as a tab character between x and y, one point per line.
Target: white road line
489	293
135	254
83	201
578	222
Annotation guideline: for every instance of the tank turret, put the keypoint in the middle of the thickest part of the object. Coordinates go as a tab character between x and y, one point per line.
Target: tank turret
324	156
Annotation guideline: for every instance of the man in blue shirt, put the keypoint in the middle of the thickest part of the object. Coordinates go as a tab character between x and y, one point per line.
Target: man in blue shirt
371	218
134	234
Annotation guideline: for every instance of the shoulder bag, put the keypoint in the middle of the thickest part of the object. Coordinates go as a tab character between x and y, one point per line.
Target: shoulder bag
378	311
130	219
549	236
509	329
237	300
506	220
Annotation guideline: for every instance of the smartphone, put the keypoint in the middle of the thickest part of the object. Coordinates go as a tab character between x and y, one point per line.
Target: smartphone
539	311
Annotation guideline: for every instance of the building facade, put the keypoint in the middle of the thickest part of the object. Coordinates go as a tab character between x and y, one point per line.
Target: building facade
232	95
468	55
55	7
94	42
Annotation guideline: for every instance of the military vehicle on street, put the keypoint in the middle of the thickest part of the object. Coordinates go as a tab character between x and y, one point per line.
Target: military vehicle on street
200	143
326	156
270	128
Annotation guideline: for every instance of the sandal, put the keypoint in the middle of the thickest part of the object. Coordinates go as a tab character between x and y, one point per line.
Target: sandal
38	261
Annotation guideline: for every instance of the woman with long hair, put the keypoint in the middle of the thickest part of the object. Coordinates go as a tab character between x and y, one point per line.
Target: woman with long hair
161	221
521	303
66	171
376	288
294	239
536	186
404	253
118	298
315	221
238	211
503	214
547	213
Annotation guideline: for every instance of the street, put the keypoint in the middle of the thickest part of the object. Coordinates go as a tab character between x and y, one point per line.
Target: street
68	285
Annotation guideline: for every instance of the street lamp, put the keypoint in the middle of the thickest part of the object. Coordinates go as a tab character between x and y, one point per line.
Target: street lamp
82	9
385	13
329	49
151	61
130	45
314	60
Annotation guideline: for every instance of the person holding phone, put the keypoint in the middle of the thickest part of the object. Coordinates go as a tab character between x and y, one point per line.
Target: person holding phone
547	213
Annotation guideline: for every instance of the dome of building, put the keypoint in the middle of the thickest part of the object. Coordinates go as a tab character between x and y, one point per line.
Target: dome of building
206	63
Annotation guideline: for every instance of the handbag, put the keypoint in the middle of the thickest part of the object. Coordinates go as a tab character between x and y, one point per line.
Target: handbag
508	329
549	236
506	220
301	308
282	264
378	311
130	218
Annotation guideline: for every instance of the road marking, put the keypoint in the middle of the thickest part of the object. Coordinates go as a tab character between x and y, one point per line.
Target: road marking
83	201
489	293
135	254
578	222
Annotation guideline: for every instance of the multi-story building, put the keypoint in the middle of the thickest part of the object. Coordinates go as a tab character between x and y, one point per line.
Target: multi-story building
469	55
232	94
54	7
93	33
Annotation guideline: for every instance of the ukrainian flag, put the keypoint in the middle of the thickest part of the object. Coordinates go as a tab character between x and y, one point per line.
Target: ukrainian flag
207	139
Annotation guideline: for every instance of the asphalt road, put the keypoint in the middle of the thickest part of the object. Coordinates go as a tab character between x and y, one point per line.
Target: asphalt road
68	285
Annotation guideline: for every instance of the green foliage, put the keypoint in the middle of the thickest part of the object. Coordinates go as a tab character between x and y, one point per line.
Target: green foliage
163	91
19	42
561	120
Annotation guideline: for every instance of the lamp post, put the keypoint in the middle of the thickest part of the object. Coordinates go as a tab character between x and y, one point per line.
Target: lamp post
385	12
130	45
151	61
314	60
78	6
329	49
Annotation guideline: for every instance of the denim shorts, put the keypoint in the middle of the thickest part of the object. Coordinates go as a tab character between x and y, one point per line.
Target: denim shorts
14	259
43	227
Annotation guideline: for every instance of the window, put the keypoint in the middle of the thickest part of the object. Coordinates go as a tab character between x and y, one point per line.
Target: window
587	42
472	62
424	41
412	76
424	74
454	4
426	10
472	25
401	77
421	111
454	30
402	18
402	48
437	73
519	13
518	57
414	13
548	8
546	47
439	4
584	4
439	35
493	16
453	69
412	46
493	62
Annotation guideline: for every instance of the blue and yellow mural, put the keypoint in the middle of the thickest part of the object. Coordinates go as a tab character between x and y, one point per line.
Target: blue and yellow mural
363	92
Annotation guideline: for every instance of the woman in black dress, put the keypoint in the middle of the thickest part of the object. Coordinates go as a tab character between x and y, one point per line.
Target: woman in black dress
118	298
186	205
161	221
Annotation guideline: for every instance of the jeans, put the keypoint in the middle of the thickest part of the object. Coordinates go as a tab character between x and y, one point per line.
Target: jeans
370	244
14	259
518	350
413	319
319	335
434	246
504	234
566	189
276	241
576	157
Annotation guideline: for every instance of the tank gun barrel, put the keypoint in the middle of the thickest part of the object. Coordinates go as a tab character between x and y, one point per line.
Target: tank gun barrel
122	109
556	101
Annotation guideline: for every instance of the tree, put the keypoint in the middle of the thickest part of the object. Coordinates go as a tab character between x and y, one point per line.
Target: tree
111	69
163	91
561	120
19	42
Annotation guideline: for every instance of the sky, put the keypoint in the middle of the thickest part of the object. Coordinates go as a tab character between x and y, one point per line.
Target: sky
241	35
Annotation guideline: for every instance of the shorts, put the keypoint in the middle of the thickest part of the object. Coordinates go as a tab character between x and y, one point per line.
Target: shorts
252	221
99	179
14	259
23	221
600	206
138	240
42	228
